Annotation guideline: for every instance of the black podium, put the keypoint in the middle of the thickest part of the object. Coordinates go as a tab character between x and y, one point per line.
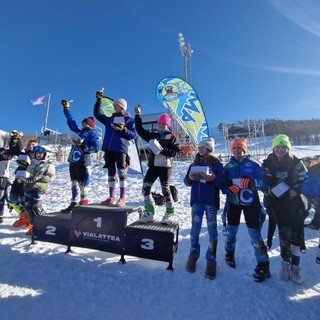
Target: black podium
105	228
52	227
99	227
152	241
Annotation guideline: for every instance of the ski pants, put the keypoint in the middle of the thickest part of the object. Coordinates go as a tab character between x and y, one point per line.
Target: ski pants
197	211
252	218
33	203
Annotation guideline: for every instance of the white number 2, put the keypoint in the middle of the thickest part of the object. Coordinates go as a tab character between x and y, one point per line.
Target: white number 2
51	230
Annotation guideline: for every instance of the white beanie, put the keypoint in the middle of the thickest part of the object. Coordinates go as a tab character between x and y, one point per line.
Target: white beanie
122	103
208	143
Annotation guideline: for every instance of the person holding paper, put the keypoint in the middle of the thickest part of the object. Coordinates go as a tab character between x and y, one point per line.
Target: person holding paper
205	177
285	204
244	178
85	141
163	146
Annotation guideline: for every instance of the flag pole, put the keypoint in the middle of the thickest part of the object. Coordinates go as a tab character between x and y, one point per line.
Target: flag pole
47	113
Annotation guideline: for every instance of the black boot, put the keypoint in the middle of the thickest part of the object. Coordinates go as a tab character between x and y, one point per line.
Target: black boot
69	209
261	272
211	270
230	259
191	264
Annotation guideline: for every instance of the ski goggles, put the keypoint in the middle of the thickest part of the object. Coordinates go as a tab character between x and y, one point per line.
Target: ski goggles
39	149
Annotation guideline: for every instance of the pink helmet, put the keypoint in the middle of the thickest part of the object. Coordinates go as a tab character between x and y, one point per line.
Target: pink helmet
164	118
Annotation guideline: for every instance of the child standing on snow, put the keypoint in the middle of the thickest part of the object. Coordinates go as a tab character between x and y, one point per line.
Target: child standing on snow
119	130
205	198
159	165
284	172
6	155
244	178
85	141
41	172
17	200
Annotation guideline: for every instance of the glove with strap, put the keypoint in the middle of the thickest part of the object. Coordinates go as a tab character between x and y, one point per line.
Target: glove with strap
234	189
247	183
119	127
65	104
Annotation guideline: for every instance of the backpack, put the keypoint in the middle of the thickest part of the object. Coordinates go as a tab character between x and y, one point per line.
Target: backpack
159	198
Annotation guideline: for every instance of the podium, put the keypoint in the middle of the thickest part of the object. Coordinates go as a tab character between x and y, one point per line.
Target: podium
152	241
53	227
99	227
105	228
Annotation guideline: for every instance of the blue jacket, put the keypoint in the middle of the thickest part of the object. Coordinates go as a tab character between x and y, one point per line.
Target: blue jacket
207	193
311	183
115	140
81	154
244	168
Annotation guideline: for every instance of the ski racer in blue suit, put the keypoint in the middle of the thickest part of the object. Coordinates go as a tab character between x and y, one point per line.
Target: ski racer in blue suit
245	178
119	130
85	141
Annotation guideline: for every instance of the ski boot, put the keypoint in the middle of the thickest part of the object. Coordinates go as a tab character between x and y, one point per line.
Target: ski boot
69	209
168	217
147	215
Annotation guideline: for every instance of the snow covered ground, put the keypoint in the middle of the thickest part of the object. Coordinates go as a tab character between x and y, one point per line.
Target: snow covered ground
42	282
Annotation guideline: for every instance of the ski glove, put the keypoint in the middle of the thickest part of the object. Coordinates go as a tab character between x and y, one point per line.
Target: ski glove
234	189
99	94
65	104
137	110
119	127
247	183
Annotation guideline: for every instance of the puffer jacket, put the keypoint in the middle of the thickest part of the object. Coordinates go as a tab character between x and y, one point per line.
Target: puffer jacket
168	141
81	154
114	140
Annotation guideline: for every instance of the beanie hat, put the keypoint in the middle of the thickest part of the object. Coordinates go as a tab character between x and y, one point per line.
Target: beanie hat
122	103
208	143
90	122
164	118
281	140
239	143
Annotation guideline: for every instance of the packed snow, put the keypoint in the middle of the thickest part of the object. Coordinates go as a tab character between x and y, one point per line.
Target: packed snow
41	281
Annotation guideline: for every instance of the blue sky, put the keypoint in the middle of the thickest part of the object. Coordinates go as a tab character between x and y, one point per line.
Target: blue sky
252	58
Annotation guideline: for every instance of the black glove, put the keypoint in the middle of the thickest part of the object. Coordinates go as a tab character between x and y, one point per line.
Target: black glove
65	104
79	145
119	127
99	94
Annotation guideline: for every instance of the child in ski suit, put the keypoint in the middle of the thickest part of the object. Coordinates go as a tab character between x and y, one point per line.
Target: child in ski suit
85	141
288	209
244	178
159	165
205	198
17	200
311	189
6	155
41	172
115	145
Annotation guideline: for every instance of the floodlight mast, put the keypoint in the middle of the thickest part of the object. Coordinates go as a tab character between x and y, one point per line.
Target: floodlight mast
186	52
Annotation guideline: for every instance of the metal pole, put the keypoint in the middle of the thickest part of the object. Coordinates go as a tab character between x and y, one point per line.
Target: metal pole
47	113
186	52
